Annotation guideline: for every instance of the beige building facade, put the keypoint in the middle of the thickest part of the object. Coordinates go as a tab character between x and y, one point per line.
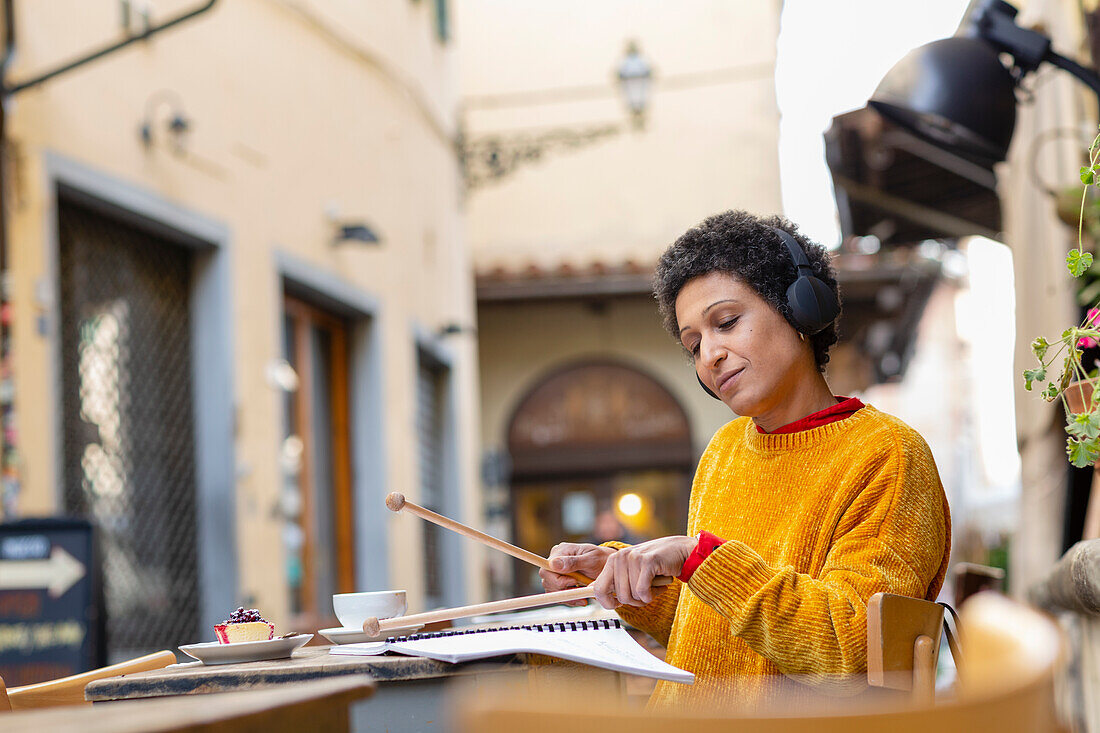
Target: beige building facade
301	371
589	408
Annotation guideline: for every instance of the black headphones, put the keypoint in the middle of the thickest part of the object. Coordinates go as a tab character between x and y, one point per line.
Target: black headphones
812	303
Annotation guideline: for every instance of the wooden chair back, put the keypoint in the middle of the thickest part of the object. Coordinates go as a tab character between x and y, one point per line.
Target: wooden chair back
1011	654
903	644
70	690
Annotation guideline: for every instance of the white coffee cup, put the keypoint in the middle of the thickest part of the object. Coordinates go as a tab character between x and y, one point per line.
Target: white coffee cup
352	609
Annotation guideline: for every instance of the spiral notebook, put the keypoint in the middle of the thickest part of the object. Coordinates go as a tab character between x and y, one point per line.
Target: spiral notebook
601	643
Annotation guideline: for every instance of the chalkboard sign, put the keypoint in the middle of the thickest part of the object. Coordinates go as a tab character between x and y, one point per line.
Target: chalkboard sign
51	610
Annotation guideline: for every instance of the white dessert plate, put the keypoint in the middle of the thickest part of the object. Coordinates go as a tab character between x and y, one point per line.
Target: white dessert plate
344	635
214	652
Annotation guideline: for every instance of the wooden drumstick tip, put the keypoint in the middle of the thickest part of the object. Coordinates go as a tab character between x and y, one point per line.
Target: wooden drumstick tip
372	626
395	502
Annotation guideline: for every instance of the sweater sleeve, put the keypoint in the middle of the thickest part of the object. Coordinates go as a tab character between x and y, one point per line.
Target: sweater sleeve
655	618
893	537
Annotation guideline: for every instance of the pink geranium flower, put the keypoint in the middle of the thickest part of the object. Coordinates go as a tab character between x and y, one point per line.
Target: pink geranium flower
1092	319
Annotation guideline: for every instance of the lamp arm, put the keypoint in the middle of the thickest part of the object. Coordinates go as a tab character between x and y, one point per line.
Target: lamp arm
1086	75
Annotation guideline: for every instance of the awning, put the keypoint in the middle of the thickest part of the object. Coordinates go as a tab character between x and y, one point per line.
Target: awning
901	189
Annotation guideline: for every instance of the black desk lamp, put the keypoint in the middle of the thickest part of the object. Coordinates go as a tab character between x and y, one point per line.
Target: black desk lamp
957	94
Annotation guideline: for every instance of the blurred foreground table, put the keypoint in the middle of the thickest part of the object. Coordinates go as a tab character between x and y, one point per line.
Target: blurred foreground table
318	705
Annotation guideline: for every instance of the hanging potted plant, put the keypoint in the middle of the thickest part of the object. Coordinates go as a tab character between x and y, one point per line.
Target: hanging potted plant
1061	364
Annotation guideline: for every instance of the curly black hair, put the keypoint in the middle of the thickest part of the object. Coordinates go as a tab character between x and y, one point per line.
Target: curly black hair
742	245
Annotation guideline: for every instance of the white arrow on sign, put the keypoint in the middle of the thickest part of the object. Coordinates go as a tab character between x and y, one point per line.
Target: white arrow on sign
56	574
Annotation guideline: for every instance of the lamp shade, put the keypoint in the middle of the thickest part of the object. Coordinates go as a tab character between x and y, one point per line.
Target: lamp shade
956	93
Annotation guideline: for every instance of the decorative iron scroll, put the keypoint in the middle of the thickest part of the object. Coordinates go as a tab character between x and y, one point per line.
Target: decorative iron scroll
492	157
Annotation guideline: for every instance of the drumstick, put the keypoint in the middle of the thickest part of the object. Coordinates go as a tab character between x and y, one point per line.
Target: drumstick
396	502
375	626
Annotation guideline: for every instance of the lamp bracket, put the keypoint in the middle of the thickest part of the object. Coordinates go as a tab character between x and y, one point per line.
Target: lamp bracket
492	157
995	22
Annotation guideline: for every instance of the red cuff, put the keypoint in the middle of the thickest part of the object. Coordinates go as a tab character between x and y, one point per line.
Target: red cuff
706	545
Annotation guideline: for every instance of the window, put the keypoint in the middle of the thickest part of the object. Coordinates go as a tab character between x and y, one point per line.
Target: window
316	464
442	21
431	381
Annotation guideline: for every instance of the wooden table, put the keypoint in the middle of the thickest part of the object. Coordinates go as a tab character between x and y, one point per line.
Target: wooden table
410	694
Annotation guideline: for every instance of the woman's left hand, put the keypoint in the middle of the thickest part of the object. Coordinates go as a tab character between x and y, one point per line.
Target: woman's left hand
628	574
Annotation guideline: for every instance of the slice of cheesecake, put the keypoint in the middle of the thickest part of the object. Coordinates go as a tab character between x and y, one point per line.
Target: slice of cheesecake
248	631
244	626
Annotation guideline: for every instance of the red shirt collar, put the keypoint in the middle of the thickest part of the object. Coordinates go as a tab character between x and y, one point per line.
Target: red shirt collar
844	407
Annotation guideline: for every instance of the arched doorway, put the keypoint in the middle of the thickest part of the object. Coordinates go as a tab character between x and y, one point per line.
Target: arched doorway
586	436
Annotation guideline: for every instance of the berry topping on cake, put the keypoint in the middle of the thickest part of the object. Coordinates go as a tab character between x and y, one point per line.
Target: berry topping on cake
244	625
242	616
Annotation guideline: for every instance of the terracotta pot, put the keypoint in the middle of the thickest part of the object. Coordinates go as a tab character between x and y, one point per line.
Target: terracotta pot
1078	395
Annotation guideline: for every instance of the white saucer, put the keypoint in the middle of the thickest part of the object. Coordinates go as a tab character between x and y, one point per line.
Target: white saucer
214	652
345	635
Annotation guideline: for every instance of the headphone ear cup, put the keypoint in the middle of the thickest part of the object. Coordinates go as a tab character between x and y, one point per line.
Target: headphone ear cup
813	304
706	388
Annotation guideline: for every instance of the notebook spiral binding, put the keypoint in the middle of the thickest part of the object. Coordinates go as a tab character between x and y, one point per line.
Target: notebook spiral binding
561	626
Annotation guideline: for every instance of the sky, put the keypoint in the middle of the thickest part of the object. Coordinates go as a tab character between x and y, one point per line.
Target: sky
831	56
984	318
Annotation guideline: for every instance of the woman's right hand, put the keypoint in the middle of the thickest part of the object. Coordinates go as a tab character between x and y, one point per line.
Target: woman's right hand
569	557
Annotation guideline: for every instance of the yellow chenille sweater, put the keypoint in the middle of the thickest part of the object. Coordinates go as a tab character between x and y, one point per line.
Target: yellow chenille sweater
815	522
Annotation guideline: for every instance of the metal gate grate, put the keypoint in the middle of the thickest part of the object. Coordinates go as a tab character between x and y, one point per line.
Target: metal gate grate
128	429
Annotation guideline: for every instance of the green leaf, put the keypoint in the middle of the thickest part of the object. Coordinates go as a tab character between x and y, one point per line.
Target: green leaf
1087	175
1050	392
1082	453
1039	347
1078	262
1034	375
1083	426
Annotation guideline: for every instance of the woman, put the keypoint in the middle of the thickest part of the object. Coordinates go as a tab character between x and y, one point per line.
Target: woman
801	508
